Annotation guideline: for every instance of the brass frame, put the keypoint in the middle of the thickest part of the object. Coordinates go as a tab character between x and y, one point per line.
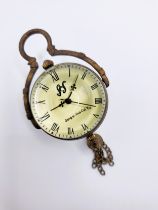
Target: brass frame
53	52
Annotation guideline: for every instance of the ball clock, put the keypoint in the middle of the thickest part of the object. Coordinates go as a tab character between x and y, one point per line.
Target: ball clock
68	101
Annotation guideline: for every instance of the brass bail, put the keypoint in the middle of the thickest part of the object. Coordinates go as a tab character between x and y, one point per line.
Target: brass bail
32	60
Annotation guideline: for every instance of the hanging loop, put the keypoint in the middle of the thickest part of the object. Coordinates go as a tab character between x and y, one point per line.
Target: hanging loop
32	60
55	52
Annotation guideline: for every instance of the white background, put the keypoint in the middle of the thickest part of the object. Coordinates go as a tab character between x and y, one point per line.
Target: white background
38	172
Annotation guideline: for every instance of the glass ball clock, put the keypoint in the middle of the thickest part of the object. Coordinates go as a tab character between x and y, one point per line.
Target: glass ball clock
68	101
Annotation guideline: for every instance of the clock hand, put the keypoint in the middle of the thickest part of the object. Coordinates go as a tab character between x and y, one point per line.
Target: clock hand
82	103
61	104
73	86
75	81
69	101
69	95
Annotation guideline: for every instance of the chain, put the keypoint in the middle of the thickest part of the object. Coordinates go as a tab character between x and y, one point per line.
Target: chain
99	147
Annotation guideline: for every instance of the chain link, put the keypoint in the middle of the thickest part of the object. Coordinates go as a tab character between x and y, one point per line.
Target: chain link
96	143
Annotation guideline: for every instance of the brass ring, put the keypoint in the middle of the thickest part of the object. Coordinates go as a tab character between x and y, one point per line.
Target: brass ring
50	46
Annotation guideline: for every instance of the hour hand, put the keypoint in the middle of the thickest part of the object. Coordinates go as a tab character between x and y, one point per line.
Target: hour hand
61	104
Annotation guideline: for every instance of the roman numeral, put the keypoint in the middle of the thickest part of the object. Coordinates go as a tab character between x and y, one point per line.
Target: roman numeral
69	70
94	86
40	102
55	127
96	115
84	126
44	117
98	100
44	87
54	75
70	131
84	75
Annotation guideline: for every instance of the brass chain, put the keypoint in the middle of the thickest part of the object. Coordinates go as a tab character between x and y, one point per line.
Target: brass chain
96	143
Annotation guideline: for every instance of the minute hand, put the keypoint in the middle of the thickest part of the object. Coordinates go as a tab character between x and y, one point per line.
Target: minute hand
82	103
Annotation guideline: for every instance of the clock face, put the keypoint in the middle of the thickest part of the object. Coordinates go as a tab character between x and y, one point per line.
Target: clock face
68	101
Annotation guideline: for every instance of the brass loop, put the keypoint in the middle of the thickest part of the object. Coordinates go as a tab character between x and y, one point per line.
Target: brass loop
32	60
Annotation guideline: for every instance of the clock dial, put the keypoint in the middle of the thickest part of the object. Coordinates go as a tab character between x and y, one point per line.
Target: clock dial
68	101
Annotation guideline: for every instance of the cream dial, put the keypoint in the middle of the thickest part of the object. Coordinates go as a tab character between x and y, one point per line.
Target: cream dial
68	101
